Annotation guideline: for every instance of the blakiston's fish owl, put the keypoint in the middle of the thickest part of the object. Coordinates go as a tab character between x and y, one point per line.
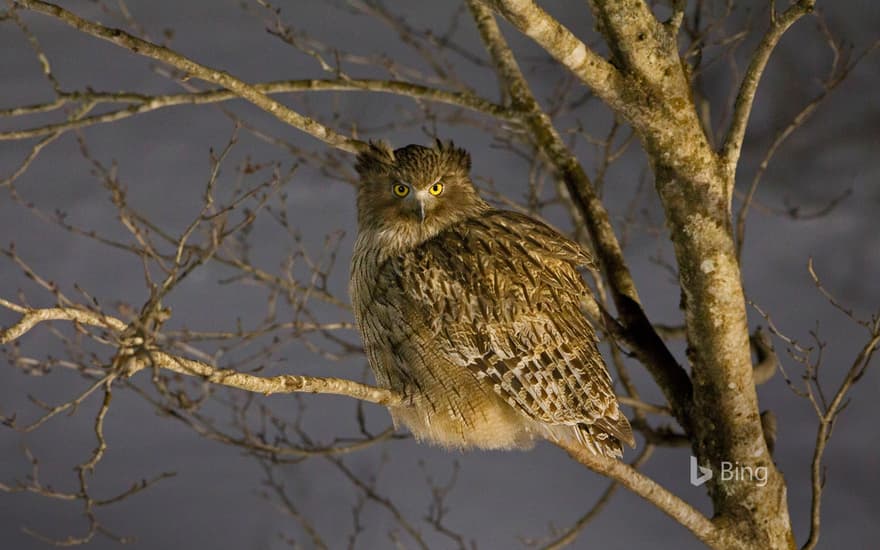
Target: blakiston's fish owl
473	313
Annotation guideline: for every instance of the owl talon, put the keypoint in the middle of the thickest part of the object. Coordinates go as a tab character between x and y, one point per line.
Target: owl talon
408	397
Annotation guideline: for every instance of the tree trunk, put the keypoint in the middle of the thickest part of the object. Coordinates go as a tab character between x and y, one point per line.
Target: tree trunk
727	433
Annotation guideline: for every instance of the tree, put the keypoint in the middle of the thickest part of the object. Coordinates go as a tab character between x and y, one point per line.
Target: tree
661	84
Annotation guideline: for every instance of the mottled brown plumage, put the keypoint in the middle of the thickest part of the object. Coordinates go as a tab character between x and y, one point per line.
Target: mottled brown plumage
474	313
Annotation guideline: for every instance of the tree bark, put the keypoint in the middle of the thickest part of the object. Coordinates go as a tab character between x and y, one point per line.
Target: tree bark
726	420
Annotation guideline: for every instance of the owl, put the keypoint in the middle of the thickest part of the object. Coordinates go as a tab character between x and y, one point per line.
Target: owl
472	313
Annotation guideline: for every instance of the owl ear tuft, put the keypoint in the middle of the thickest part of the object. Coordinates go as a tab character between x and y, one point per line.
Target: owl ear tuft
378	157
456	155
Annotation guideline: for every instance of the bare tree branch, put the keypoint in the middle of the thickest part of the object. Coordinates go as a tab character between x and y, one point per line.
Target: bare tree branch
596	72
648	489
836	76
748	88
140	103
143	358
571	534
209	74
828	411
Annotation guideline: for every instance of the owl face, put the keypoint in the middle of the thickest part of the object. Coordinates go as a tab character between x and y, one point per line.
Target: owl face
415	190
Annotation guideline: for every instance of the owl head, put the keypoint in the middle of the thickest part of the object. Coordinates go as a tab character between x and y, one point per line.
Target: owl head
415	190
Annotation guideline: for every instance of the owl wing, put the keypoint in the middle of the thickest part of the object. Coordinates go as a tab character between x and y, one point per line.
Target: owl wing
501	295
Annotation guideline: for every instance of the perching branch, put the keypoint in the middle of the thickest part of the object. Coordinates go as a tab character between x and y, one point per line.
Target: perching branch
145	357
571	534
650	490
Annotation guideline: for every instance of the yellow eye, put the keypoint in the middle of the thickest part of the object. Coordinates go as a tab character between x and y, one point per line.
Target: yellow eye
400	189
436	189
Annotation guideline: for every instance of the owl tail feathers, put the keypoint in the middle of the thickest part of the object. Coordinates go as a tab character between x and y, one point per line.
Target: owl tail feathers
606	435
619	428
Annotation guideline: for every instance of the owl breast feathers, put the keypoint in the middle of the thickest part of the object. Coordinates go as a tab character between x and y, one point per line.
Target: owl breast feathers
476	318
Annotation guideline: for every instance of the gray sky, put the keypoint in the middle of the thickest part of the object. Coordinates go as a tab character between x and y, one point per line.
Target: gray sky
163	158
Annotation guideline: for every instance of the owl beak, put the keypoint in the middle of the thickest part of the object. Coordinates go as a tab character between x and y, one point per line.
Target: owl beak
422	198
421	210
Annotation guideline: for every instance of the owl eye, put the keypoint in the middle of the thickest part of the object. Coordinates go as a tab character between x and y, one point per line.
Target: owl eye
436	189
400	190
